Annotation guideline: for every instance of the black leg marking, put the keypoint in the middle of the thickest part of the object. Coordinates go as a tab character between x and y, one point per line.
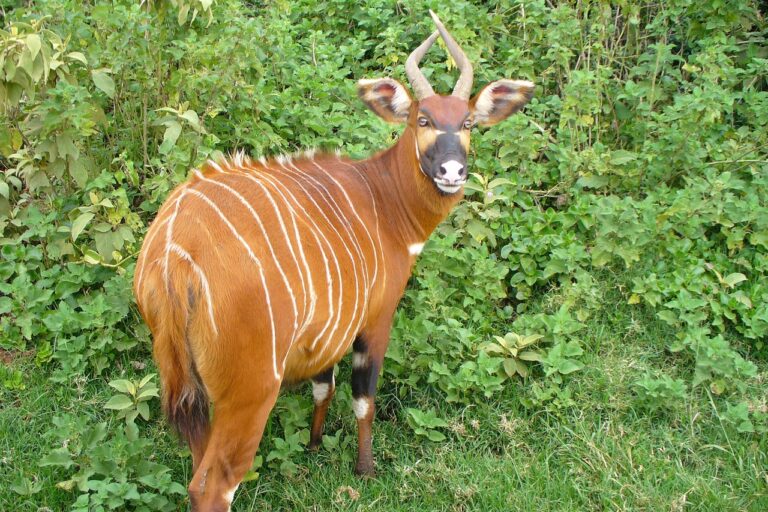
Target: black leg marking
365	374
324	377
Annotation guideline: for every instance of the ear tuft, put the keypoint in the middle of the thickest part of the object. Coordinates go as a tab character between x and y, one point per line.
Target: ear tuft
500	99
386	97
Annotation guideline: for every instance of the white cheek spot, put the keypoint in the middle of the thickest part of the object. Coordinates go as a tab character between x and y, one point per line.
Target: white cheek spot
360	406
359	360
415	249
320	391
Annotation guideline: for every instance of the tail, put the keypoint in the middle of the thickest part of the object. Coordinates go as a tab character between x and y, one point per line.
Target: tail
184	398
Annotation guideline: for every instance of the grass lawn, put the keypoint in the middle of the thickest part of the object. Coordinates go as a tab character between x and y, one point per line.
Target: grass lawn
588	447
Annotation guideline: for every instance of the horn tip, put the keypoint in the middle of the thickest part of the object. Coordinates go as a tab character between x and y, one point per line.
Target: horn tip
434	16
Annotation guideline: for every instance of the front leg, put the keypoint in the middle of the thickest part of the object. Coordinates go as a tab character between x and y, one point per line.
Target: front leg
366	365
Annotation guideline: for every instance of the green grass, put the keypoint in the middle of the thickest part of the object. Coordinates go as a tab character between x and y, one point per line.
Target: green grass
595	450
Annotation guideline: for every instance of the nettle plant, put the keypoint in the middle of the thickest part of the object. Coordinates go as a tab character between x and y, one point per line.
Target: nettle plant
133	398
110	469
516	351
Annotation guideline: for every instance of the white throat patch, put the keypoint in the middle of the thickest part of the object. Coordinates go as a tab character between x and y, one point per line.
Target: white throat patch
415	249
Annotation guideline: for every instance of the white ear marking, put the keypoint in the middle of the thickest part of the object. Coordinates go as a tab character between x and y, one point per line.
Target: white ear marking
386	97
517	93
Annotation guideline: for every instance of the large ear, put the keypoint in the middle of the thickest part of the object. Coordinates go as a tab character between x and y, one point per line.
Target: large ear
500	99
386	97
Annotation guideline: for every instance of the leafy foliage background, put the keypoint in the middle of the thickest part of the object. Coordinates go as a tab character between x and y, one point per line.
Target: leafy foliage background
636	180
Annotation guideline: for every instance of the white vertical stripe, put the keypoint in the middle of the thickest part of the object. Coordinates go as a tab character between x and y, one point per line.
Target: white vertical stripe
362	223
154	228
266	239
339	214
370	282
260	267
317	233
375	214
169	238
306	277
141	263
203	281
229	496
289	174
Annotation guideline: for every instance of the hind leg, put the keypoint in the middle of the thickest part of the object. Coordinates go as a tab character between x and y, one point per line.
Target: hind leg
238	424
323	389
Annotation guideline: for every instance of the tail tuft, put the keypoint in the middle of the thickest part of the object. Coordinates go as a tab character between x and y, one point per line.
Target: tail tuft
189	415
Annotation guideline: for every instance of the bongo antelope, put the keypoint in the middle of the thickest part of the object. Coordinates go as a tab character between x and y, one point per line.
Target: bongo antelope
259	273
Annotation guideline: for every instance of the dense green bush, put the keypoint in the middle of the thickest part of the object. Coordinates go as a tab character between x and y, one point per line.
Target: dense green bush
638	175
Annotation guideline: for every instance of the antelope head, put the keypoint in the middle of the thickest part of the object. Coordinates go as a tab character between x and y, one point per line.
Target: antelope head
441	125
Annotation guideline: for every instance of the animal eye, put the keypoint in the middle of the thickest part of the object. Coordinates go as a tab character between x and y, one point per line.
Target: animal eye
468	124
423	121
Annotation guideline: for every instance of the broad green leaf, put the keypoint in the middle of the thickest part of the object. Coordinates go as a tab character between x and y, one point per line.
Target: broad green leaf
143	409
78	57
530	355
733	279
146	379
34	44
569	366
92	257
530	340
25	62
147	393
25	487
58	457
522	369
183	12
104	82
509	367
119	402
435	436
621	157
592	181
79	224
192	118
123	386
131	415
170	137
498	182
